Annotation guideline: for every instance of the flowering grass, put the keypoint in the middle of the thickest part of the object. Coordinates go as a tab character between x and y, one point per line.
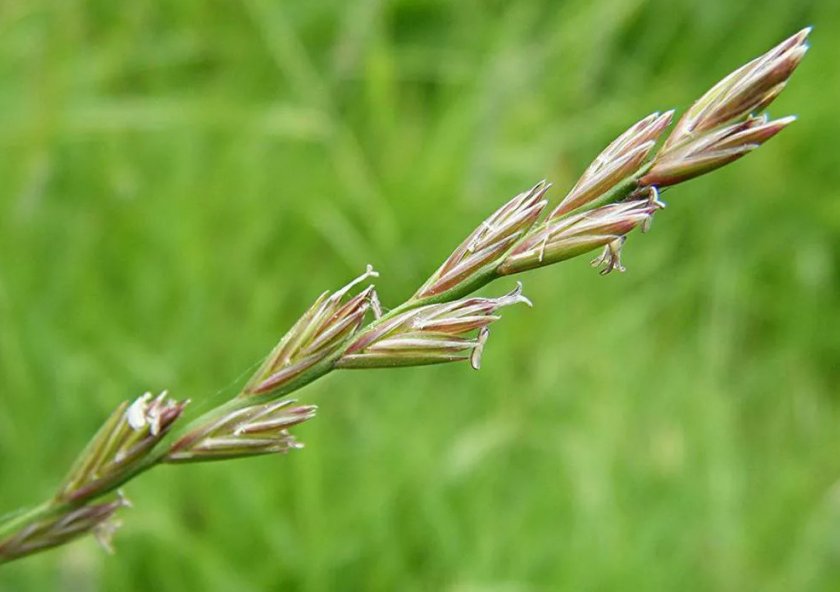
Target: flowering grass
535	255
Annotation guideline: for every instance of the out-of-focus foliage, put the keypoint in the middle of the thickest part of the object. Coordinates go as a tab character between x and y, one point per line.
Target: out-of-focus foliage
179	180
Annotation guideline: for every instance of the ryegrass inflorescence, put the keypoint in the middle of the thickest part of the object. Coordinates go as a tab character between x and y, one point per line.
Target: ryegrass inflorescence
442	322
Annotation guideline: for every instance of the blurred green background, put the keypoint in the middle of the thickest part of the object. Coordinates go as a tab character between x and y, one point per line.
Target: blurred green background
181	179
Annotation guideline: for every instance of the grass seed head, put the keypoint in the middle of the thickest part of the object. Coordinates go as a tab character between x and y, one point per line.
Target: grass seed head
621	159
328	324
487	245
250	431
97	519
123	442
431	334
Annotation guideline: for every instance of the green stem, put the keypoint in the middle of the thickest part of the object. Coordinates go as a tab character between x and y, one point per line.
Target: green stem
17	521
